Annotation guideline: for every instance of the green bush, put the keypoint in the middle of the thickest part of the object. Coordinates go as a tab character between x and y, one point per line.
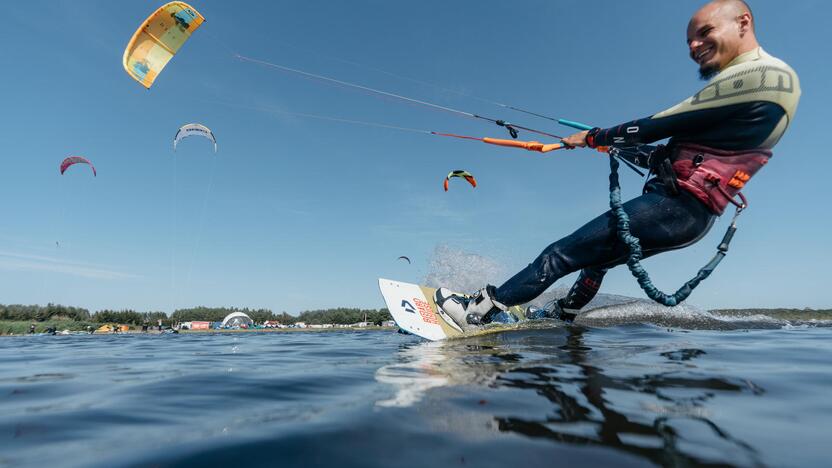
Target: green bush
20	327
42	313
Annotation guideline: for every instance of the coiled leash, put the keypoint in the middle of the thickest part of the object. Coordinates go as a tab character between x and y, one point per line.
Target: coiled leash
635	255
634	246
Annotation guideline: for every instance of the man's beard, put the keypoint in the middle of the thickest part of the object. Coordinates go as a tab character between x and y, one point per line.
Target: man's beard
707	72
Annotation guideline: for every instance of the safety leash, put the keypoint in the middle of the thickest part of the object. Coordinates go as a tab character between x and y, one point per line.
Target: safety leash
634	247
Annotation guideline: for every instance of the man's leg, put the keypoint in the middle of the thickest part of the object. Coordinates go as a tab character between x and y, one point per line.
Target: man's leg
584	289
661	222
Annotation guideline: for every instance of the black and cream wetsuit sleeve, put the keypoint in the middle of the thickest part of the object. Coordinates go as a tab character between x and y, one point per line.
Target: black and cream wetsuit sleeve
748	105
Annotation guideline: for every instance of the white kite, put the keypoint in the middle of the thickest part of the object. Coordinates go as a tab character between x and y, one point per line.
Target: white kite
194	129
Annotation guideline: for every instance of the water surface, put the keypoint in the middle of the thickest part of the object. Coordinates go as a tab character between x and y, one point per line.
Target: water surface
629	394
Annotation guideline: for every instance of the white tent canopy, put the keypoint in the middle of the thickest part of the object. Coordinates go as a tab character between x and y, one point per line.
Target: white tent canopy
236	319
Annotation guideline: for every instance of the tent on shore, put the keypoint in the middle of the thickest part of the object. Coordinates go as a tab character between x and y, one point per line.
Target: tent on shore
237	319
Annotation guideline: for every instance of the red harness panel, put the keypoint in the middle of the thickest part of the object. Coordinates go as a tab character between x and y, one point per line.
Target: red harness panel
715	176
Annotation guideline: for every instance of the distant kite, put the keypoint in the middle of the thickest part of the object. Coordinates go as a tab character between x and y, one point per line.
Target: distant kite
404	258
158	39
465	174
76	160
194	129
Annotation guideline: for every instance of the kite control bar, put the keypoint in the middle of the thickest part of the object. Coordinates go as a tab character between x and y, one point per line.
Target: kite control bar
527	145
543	147
573	124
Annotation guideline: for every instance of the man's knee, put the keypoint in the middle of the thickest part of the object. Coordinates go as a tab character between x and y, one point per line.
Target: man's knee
552	263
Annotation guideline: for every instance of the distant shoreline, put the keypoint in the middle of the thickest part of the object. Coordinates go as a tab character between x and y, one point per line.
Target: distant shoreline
154	331
286	330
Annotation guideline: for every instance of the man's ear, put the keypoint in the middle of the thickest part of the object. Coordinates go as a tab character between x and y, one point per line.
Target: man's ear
745	23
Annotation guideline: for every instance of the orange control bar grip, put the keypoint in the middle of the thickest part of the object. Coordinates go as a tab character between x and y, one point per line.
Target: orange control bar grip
527	145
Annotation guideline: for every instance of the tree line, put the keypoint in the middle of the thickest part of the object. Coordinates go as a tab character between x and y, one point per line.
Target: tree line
216	314
40	313
344	316
52	312
37	313
340	315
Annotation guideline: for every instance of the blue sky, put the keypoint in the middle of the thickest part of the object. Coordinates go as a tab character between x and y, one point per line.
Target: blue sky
297	213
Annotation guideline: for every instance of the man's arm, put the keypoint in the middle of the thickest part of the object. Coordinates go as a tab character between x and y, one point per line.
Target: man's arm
751	122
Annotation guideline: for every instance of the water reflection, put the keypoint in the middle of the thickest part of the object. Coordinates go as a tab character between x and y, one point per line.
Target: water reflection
584	389
416	372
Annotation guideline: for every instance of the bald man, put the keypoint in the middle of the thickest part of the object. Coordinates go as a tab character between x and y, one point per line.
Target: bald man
719	138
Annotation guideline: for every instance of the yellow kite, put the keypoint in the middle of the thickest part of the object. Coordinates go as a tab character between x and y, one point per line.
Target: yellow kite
158	39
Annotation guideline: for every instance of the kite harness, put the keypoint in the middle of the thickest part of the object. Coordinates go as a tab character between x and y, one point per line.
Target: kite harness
716	176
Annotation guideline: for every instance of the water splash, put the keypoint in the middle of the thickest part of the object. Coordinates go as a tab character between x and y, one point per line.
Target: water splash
462	271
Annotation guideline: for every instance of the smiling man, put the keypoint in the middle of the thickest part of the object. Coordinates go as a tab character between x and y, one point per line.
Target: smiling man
719	138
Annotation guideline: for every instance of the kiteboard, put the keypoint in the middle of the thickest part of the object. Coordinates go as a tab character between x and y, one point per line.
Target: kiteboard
414	310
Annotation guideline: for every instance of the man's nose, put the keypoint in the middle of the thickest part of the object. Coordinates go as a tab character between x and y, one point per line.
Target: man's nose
693	45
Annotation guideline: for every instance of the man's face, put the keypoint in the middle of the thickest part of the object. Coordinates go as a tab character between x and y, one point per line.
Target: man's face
713	39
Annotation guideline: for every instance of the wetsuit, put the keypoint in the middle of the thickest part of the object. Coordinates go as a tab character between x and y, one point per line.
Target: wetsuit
748	105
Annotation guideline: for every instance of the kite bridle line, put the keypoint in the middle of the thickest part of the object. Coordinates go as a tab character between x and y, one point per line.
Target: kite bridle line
527	145
511	127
